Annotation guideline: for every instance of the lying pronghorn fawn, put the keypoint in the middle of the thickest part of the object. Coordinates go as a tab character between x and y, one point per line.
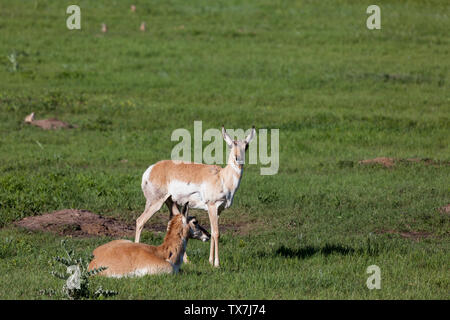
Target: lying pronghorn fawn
206	187
126	258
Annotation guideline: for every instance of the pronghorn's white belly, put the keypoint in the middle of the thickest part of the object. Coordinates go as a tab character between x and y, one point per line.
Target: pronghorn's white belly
144	271
183	192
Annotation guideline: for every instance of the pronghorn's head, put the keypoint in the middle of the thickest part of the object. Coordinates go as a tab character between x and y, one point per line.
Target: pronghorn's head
29	118
238	147
196	231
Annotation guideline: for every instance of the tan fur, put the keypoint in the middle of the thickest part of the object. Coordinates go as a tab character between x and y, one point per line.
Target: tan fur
126	258
166	170
206	187
123	257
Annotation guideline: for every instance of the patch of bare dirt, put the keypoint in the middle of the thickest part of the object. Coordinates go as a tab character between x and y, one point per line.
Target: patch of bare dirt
242	229
413	235
390	162
77	223
427	161
386	162
48	124
83	223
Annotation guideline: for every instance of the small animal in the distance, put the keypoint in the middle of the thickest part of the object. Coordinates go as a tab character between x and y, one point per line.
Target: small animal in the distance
47	124
29	118
126	258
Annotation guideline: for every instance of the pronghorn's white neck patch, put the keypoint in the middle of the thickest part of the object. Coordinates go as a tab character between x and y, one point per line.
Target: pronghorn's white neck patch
236	167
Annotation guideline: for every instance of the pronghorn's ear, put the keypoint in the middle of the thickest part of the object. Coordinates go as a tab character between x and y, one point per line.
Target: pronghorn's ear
185	209
227	137
251	135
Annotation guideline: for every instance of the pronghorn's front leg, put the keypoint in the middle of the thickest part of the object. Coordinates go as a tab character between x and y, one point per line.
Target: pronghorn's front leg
214	220
211	248
149	211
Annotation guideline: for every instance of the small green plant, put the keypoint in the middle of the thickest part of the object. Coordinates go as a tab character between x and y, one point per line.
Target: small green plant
268	197
7	248
10	247
77	277
14	63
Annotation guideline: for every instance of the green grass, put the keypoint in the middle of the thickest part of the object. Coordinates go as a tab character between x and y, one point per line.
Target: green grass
338	92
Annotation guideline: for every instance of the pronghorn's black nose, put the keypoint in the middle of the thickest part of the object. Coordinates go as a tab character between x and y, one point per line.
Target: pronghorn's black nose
206	236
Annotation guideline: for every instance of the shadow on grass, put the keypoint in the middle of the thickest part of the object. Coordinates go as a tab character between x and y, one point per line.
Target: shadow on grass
308	251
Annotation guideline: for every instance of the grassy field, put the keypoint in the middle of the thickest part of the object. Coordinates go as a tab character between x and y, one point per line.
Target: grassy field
338	92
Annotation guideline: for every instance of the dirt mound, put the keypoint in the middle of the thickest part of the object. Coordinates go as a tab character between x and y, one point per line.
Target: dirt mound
413	235
77	223
387	162
47	124
83	223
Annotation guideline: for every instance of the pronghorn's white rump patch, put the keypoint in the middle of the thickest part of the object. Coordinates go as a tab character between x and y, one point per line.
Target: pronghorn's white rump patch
146	176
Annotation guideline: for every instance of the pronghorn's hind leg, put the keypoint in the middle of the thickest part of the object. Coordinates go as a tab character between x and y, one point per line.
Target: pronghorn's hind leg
155	198
151	208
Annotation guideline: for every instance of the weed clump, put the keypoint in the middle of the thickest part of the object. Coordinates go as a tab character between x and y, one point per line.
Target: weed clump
77	276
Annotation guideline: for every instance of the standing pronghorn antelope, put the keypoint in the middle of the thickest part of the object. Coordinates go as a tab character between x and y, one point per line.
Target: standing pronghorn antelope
126	258
206	187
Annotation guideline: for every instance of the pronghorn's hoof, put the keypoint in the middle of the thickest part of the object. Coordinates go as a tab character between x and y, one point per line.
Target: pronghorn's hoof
215	263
